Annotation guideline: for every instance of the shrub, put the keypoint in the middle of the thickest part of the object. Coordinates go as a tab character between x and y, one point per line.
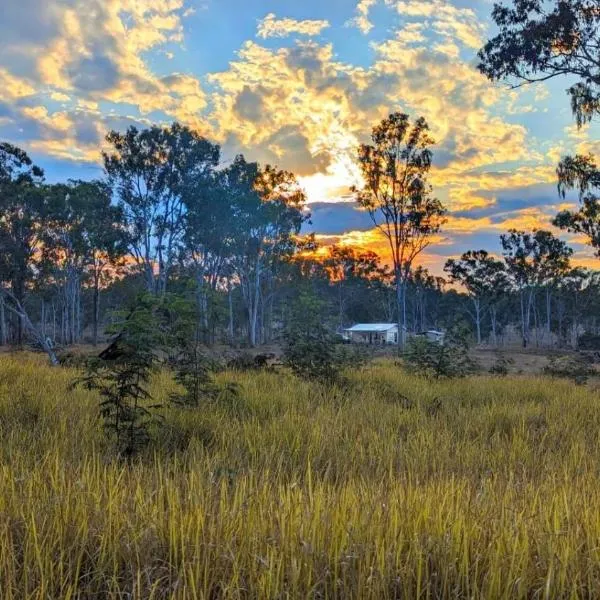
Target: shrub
589	342
194	371
311	350
440	360
501	366
576	367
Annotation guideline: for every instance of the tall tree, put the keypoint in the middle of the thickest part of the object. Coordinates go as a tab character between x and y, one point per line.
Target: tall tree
398	197
148	169
533	260
478	273
268	214
84	241
351	273
581	173
209	235
540	40
21	216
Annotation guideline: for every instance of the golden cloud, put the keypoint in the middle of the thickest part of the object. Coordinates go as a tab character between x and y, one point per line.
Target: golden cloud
271	26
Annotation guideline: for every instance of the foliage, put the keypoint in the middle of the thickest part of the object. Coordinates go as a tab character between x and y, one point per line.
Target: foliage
310	349
589	341
245	361
482	276
577	367
121	375
581	173
446	359
501	366
149	170
541	40
397	194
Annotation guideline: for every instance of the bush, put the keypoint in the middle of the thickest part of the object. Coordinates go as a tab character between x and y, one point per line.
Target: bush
440	360
576	367
311	350
501	366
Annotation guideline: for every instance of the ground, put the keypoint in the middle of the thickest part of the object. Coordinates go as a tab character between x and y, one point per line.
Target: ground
388	486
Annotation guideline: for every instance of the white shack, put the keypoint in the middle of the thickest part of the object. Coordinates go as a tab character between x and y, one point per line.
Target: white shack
373	333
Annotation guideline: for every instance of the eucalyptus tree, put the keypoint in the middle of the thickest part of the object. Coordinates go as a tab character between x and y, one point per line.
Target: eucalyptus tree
426	289
578	296
552	261
539	40
398	197
478	273
533	260
581	173
268	213
22	211
351	273
208	236
84	242
148	170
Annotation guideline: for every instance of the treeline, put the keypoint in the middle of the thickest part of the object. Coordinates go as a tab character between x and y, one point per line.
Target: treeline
169	218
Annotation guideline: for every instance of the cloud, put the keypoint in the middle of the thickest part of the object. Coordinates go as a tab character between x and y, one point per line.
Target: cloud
73	69
86	53
442	17
271	26
361	20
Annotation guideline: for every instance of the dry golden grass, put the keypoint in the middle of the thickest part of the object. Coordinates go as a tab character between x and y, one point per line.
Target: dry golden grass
482	488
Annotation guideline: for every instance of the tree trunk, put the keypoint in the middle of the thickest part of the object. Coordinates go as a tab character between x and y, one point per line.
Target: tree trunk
230	327
477	305
549	315
96	309
493	318
523	321
401	306
16	307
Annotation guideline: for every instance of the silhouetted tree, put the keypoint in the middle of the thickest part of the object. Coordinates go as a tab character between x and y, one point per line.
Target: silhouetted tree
540	40
149	170
397	195
479	274
581	173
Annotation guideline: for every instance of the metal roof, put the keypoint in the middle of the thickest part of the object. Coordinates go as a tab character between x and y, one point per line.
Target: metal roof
372	327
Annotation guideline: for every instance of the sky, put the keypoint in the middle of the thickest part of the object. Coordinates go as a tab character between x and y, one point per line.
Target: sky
299	85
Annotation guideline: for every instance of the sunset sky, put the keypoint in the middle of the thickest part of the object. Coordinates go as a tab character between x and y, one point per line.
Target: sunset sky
297	84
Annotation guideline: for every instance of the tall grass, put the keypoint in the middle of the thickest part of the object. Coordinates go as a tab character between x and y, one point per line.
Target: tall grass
480	488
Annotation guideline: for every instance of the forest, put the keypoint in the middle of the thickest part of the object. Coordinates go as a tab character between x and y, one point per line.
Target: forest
170	218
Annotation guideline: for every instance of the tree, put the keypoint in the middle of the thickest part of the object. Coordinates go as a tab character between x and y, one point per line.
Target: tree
581	173
398	197
83	241
552	262
540	40
268	214
425	288
148	170
22	213
478	273
533	260
351	273
121	374
209	235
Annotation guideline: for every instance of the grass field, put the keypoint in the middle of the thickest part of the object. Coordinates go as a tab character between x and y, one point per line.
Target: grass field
480	488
